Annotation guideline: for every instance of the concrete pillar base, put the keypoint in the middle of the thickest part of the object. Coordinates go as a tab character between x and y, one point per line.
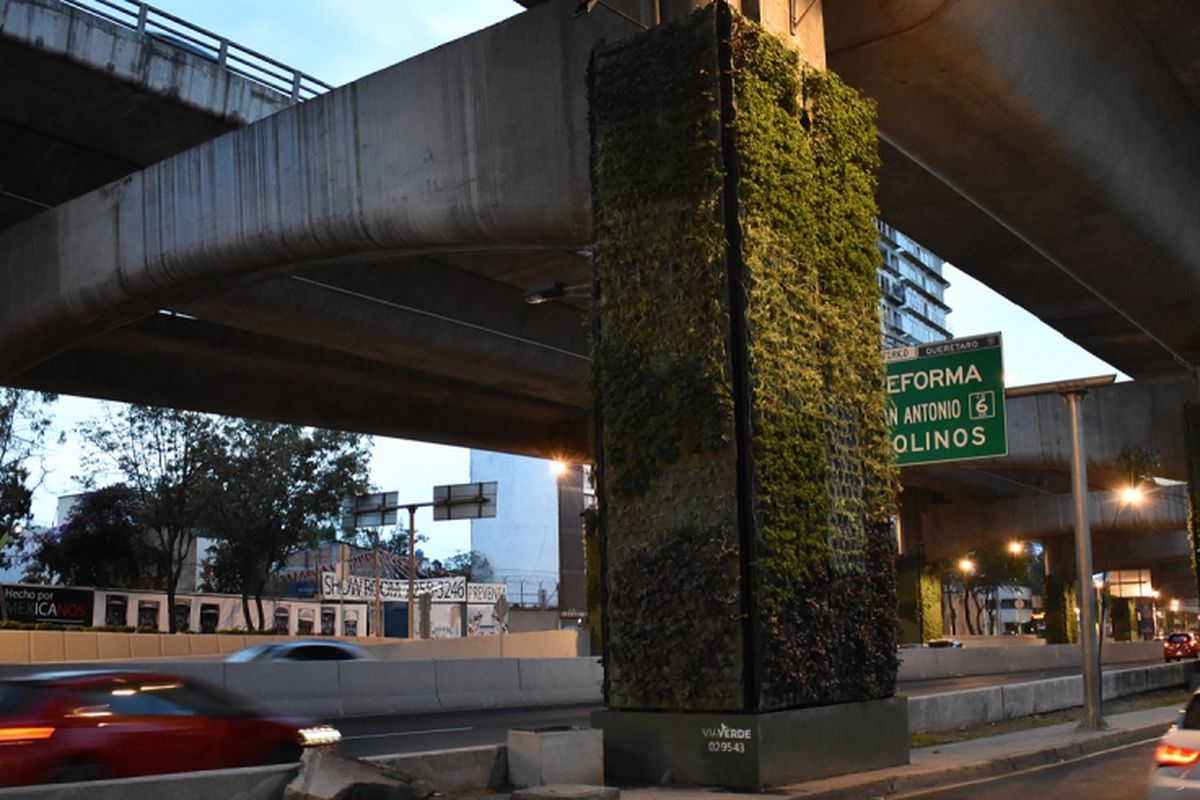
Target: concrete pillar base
752	751
555	756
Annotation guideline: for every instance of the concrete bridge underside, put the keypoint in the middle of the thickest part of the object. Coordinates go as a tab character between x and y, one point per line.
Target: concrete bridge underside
358	261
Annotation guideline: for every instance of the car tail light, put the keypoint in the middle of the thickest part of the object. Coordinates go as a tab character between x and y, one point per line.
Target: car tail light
1170	756
319	735
21	735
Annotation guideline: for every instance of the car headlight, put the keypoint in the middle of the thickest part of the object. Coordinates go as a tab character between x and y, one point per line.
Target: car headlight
319	735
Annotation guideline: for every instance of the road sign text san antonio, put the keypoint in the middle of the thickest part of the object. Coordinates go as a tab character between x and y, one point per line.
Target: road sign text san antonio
946	400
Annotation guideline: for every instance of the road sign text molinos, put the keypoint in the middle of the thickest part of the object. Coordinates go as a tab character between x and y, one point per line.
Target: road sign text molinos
946	400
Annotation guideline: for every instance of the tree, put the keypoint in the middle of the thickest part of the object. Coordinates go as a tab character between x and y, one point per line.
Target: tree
995	567
167	458
280	485
23	426
100	544
472	564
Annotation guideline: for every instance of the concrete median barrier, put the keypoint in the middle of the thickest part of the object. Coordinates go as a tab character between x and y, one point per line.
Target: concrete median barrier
381	687
929	663
953	710
479	683
249	783
550	681
307	689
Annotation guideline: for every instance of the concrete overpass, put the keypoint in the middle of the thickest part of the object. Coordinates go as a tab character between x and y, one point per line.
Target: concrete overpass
358	261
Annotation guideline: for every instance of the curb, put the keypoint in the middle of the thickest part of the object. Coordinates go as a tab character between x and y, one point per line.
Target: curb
886	786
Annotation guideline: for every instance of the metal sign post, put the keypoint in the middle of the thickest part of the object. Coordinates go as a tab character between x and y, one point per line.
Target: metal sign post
458	501
946	400
1073	393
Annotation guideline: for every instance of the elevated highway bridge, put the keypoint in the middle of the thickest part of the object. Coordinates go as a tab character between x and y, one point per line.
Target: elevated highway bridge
174	233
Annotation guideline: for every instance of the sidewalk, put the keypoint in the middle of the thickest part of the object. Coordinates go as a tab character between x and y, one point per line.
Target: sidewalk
949	764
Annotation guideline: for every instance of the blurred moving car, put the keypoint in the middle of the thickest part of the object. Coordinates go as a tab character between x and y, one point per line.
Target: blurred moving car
1178	646
76	726
944	642
1176	772
301	650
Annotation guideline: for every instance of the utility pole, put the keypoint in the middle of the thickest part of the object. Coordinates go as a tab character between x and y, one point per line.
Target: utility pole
412	568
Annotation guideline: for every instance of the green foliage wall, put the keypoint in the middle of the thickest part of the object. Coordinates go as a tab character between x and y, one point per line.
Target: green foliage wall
799	149
1191	427
932	624
662	375
1054	604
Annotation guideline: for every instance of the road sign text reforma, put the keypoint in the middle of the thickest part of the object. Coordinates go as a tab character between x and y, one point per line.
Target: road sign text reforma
946	400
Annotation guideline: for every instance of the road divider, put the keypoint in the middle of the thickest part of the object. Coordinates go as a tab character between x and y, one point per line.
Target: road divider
961	709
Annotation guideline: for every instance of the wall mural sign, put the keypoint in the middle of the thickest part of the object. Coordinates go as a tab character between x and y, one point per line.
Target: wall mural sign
946	400
442	590
49	604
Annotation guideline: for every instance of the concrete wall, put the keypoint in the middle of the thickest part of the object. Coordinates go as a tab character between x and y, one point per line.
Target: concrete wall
952	710
928	663
35	647
347	688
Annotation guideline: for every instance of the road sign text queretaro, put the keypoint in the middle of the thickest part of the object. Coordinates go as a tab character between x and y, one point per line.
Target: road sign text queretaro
946	400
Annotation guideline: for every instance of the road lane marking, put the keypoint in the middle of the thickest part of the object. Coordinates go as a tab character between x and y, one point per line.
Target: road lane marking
406	733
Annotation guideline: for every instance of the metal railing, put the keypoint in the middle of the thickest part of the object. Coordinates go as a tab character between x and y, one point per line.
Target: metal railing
178	32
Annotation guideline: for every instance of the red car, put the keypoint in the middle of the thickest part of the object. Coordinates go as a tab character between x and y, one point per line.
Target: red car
94	725
1181	646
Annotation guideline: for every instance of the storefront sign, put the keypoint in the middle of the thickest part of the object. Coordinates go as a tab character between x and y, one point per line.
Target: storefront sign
48	604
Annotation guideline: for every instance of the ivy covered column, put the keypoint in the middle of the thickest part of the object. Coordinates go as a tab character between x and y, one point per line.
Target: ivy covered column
745	478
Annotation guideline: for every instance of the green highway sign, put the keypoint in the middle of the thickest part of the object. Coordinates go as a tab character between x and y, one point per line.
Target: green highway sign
946	400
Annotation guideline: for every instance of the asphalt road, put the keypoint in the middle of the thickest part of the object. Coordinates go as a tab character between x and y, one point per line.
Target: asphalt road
1120	774
414	733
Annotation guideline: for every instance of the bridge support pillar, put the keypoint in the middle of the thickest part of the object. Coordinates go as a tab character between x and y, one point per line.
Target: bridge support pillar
744	464
1191	445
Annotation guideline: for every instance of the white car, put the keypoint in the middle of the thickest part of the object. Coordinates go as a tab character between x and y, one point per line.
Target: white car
1177	758
301	650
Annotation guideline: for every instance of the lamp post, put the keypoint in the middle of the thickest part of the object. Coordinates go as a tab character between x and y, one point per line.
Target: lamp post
1073	392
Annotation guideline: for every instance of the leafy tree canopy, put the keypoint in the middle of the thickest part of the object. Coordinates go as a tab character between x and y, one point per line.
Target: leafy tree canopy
100	544
24	422
280	487
167	459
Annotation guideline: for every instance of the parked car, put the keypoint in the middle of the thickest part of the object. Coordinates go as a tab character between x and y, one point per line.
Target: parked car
301	650
944	642
1176	772
74	726
1178	646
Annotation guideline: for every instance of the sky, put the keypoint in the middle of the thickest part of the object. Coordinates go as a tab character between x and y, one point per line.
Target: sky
338	41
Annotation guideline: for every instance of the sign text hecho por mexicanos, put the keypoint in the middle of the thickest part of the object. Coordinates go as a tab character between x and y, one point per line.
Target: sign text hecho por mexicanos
946	400
48	604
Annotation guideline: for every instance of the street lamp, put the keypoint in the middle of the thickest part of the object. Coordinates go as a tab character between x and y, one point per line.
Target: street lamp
1016	548
1132	495
966	566
1072	392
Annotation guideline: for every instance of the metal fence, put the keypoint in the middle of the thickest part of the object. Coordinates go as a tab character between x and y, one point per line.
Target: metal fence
177	32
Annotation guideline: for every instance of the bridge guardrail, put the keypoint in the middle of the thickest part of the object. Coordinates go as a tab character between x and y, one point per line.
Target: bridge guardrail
178	32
